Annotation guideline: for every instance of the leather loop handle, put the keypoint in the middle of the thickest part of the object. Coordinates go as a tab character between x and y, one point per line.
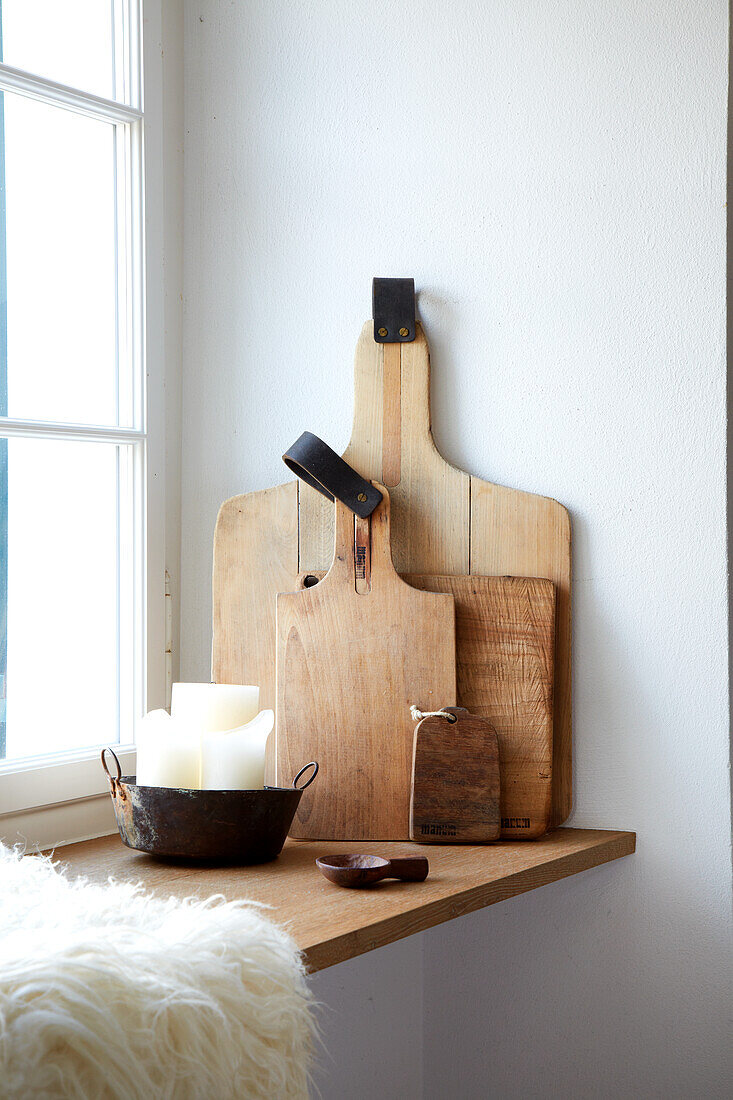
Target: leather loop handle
318	466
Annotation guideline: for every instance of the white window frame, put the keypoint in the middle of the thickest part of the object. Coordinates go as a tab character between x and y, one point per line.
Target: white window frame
57	799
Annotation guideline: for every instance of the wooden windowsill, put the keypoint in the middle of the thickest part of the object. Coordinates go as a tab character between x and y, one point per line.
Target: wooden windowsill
331	924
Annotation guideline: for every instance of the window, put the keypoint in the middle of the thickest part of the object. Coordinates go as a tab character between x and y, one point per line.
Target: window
72	399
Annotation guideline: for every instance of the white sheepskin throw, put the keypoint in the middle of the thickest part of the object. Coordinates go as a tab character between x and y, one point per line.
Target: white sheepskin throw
108	993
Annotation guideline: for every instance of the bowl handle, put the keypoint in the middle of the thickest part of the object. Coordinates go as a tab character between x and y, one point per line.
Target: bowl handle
113	779
313	765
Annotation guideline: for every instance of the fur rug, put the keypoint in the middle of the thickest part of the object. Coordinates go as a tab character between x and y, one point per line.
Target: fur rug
108	993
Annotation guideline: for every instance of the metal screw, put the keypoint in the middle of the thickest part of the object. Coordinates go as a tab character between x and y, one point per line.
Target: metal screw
361	497
404	332
382	331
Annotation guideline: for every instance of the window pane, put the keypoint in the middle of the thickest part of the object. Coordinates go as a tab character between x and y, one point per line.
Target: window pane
69	41
64	612
61	266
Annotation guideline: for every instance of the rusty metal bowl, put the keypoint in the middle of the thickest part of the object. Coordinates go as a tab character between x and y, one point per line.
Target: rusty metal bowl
234	827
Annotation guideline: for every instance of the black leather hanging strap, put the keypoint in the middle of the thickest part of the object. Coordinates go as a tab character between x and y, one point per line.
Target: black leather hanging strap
393	310
318	466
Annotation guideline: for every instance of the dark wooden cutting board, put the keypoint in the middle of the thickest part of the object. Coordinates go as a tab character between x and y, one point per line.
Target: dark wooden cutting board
455	780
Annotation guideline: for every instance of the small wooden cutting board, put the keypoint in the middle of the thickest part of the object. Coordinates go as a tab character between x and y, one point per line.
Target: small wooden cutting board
455	779
353	653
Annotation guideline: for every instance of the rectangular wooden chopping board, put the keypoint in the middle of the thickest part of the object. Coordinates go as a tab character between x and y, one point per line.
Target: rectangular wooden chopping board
353	653
505	629
455	779
444	522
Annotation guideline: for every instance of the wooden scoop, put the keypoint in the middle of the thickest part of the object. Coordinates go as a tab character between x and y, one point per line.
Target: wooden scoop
361	870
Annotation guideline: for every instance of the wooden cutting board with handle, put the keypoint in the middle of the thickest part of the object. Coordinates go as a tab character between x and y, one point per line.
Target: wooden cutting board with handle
353	653
444	522
455	779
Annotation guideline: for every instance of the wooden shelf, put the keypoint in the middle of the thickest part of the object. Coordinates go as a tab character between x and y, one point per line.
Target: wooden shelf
331	924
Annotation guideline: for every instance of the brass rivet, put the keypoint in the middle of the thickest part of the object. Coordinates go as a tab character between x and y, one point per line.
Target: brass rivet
382	331
404	332
361	497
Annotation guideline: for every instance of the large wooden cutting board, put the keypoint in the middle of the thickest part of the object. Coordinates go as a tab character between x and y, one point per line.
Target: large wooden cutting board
353	654
444	521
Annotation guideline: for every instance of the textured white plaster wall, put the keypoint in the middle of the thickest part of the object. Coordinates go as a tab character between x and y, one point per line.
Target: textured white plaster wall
553	176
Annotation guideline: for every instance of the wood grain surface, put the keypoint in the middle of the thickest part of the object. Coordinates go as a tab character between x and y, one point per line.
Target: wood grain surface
529	536
255	557
351	659
505	632
455	780
331	925
444	521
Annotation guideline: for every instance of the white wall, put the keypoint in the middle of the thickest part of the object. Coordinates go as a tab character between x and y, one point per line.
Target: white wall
553	176
371	1018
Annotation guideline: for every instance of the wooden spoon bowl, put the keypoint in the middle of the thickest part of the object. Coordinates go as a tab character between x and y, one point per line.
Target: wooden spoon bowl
354	870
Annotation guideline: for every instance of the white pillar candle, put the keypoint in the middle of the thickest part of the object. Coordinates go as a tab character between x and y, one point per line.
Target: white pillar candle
234	760
168	752
214	707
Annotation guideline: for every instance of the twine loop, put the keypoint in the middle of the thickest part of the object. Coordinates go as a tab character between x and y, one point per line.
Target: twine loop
417	715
